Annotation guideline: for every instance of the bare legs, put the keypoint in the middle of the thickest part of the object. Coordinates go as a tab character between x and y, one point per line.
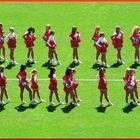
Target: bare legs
30	54
103	92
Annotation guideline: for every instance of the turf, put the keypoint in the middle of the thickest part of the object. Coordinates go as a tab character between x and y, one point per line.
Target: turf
87	120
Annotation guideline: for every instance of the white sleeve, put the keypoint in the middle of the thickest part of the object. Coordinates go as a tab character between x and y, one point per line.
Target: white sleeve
114	33
48	41
70	38
35	78
6	37
25	33
79	36
98	41
15	35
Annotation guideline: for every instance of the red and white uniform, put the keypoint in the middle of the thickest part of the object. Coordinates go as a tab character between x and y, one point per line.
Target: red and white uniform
75	39
3	81
130	82
22	79
102	82
126	79
103	43
11	40
53	82
117	40
74	82
67	79
1	30
29	40
2	40
46	36
135	39
95	37
34	82
51	43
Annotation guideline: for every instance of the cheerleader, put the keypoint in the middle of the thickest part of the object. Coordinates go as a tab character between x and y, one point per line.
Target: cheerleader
75	40
3	83
29	38
11	42
95	38
129	86
24	84
2	36
52	48
35	86
46	37
135	39
135	89
117	41
102	44
68	87
75	85
102	86
53	87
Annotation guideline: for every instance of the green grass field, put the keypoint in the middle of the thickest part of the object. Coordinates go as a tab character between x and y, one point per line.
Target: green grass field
86	120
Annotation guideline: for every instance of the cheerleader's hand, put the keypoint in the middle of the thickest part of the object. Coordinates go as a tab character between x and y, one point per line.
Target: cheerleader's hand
97	76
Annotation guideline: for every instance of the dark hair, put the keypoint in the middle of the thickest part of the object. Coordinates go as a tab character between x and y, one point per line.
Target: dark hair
52	71
31	29
74	29
22	67
68	71
73	70
52	33
118	27
101	71
102	33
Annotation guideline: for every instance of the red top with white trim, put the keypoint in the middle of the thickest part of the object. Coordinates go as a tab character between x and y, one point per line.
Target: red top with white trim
2	79
75	39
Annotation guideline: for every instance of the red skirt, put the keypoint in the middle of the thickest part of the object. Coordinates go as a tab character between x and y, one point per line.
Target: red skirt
23	84
104	87
118	46
75	85
12	46
68	90
53	87
2	85
103	50
34	87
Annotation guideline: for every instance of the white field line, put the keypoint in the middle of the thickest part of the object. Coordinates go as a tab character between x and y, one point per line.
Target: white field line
86	80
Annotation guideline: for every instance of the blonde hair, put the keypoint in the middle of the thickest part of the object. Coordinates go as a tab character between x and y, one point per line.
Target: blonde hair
135	28
97	27
1	23
48	25
11	28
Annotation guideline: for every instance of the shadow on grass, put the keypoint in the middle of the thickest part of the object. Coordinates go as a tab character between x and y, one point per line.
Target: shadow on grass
96	66
52	108
48	65
68	108
29	64
1	62
115	65
22	108
2	107
102	109
129	108
73	64
9	66
134	66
